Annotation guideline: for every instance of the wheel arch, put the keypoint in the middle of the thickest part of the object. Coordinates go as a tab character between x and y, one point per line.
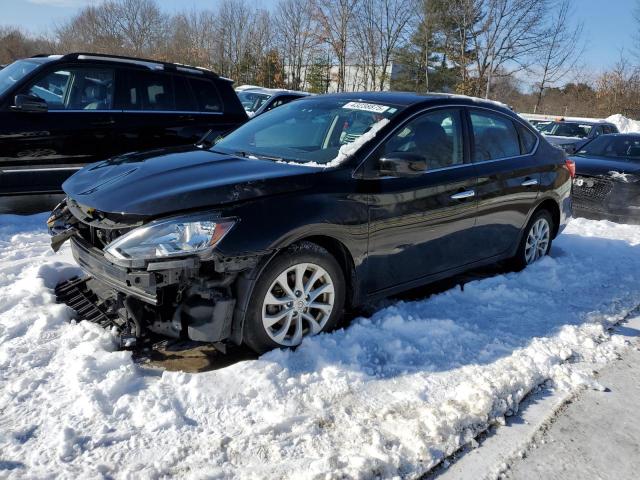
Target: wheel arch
246	282
553	208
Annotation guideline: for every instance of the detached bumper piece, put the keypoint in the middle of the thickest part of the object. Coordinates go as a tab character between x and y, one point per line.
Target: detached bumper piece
77	295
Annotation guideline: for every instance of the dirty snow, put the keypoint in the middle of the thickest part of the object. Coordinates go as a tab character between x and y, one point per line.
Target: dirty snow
391	395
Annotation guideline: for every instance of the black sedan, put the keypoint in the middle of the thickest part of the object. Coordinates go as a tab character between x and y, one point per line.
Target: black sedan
607	182
324	203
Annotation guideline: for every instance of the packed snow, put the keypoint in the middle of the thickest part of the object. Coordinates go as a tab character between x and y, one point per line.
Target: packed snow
624	124
391	395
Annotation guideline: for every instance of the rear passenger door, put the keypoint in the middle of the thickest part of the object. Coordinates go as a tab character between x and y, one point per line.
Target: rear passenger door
166	109
149	118
508	178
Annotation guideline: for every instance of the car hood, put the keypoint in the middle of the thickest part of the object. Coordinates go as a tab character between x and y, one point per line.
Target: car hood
593	166
165	181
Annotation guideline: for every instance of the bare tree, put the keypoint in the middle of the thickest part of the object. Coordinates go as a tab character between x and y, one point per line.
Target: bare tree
134	27
380	27
560	49
193	38
335	18
297	31
15	44
508	34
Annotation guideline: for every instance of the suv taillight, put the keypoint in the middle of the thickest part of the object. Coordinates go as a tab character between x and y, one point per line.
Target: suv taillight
571	166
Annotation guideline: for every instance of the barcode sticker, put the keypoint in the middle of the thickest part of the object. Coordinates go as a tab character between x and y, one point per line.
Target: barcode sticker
367	107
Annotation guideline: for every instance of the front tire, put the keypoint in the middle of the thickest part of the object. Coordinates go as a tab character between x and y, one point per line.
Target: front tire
300	293
536	241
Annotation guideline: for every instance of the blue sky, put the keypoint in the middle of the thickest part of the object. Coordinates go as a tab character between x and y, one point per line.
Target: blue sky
609	25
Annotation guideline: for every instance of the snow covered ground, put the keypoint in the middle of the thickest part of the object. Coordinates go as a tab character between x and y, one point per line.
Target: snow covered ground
391	395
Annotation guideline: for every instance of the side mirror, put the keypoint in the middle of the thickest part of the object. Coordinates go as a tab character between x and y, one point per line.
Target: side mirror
400	164
30	103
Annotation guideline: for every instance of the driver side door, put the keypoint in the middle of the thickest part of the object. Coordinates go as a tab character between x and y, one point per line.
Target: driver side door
421	225
40	150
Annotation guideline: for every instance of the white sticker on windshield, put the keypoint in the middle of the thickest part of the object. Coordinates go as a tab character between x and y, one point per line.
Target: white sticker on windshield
367	107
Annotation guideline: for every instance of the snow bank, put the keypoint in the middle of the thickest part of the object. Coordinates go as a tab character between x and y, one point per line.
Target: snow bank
389	396
624	124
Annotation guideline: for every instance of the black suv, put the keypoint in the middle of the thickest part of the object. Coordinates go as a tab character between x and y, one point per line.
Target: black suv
325	202
58	113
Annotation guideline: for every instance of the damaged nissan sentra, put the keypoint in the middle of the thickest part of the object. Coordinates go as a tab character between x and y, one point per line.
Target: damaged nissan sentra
323	204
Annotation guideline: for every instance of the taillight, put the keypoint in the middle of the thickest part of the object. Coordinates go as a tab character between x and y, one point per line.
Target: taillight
571	166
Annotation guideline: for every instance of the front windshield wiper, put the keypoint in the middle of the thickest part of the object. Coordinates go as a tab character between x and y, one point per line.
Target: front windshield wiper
246	154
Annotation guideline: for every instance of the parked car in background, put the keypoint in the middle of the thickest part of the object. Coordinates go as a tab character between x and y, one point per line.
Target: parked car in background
539	124
323	203
257	100
607	182
572	135
58	113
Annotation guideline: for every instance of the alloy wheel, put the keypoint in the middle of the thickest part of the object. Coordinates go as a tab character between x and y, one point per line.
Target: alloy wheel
299	302
537	240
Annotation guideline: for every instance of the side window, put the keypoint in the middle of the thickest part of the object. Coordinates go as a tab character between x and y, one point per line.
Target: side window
149	91
597	131
282	100
76	89
494	136
435	136
185	102
527	139
206	95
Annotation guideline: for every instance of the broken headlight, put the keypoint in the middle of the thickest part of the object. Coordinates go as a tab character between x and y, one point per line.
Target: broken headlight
179	236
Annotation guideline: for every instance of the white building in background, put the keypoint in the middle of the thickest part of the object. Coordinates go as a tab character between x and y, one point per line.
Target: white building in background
356	79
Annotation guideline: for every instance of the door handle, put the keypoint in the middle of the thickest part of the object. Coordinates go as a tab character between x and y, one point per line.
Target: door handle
463	195
529	183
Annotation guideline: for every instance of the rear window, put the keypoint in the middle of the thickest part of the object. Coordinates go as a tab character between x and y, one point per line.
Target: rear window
527	139
206	94
567	129
494	136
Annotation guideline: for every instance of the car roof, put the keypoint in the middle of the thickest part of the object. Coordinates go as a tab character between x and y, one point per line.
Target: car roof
406	99
271	91
628	134
583	122
157	65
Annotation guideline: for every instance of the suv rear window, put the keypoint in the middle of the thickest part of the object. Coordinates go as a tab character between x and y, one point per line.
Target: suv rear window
206	95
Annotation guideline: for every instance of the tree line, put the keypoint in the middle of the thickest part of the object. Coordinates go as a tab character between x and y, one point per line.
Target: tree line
526	53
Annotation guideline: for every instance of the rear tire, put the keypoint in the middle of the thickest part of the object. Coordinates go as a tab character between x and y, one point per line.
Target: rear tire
300	293
536	240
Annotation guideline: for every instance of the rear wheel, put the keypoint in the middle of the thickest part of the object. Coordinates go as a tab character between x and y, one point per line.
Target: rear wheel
300	293
536	241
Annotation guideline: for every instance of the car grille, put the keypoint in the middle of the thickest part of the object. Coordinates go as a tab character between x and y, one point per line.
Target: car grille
590	192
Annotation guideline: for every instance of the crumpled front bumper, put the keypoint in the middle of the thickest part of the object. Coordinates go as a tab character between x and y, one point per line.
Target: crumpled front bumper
139	284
